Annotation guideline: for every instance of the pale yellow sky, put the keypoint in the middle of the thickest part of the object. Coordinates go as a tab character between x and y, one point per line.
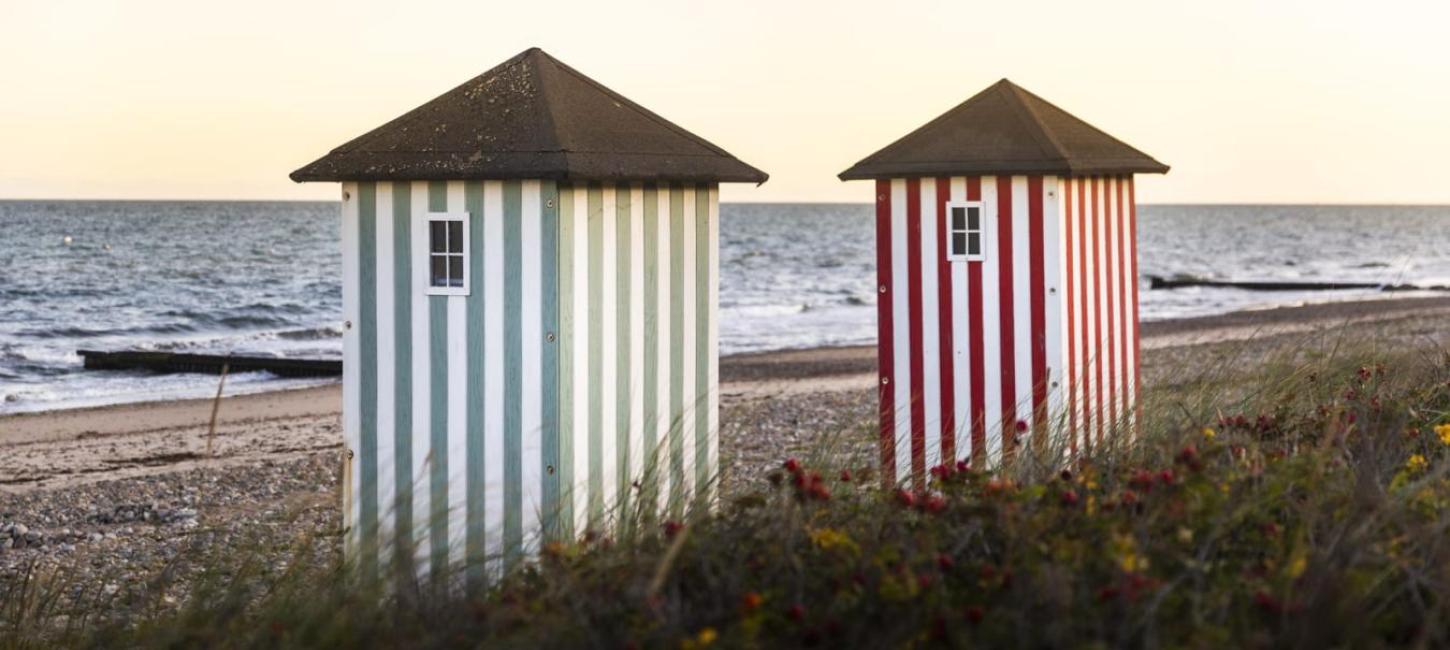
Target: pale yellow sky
1248	100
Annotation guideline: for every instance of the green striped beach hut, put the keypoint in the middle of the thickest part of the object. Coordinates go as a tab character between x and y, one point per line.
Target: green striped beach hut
530	286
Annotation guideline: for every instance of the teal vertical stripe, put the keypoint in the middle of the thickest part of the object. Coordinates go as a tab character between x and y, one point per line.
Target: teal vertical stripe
701	409
596	345
650	430
549	364
438	407
567	360
368	374
403	373
624	244
677	343
474	480
513	351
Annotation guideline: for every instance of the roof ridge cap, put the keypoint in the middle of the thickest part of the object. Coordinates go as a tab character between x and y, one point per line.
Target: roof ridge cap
545	94
640	109
1040	130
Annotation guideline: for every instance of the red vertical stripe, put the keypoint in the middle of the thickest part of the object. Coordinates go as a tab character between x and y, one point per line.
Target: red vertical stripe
1123	299
1006	302
1084	351
974	322
1097	220
1039	306
1069	329
885	352
918	346
1137	345
944	325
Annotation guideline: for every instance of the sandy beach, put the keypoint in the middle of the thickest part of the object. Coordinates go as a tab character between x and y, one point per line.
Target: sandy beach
135	484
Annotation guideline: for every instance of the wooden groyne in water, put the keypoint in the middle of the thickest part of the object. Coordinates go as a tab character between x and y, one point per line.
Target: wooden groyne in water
169	362
1156	282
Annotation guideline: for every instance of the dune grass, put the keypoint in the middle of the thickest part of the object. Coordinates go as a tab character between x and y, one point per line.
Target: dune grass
1299	501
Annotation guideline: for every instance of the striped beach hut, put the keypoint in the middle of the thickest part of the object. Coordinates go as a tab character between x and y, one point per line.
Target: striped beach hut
530	287
1007	282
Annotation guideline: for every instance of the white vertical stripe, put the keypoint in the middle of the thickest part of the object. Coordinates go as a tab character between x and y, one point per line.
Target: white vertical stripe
531	369
961	344
901	327
578	247
422	400
1115	296
687	380
1099	279
1131	284
1021	303
636	334
609	330
713	352
1053	250
930	324
493	367
457	408
992	321
663	419
1079	315
352	364
387	360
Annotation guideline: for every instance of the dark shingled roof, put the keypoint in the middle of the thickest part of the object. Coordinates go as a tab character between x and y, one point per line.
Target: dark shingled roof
530	117
1005	129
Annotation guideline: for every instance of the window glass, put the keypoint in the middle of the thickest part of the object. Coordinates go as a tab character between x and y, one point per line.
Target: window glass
439	275
974	218
455	270
959	218
437	236
455	236
974	244
959	243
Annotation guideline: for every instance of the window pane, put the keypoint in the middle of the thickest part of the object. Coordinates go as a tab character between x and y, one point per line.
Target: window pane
455	269
974	218
455	236
974	244
959	243
959	218
438	236
439	277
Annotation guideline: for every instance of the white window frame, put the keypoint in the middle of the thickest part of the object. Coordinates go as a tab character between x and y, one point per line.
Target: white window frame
428	287
981	231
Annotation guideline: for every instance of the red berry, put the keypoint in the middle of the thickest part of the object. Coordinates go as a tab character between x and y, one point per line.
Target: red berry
1069	498
797	612
792	465
975	613
1165	476
945	562
750	601
846	476
905	498
934	504
673	528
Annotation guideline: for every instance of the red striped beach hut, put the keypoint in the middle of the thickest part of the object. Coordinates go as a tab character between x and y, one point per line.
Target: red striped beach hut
530	281
1007	282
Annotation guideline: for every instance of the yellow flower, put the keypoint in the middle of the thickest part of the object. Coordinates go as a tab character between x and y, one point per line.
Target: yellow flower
1297	564
706	636
830	538
1443	431
1209	433
1416	464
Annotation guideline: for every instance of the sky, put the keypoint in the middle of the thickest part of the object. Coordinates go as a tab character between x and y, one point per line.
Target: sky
1250	101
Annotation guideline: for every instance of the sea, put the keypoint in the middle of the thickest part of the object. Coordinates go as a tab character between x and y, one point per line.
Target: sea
263	278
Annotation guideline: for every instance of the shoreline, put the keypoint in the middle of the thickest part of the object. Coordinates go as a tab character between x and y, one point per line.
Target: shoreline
759	392
748	370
